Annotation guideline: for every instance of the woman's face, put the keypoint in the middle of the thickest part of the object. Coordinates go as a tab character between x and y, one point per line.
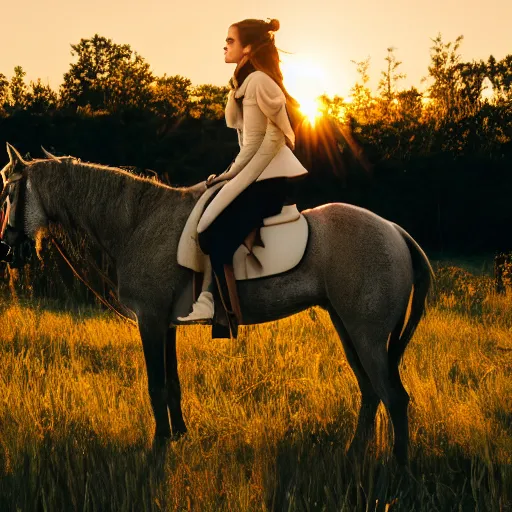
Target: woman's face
234	51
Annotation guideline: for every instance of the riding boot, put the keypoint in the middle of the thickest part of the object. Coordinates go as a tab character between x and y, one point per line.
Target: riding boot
203	308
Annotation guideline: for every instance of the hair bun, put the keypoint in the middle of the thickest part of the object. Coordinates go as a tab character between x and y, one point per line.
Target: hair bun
273	25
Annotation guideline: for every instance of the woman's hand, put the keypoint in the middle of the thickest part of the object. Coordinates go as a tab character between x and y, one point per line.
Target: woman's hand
210	181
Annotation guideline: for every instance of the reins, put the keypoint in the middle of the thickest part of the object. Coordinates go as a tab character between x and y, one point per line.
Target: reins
67	259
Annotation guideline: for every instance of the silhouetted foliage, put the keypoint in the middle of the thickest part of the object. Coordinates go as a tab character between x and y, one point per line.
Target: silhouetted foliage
41	99
334	107
208	101
171	96
106	76
388	86
362	105
4	91
444	63
18	90
500	75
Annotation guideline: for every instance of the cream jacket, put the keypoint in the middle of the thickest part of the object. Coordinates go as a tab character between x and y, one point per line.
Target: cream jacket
266	141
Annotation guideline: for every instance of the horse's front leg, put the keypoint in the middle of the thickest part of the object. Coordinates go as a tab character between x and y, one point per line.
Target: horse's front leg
153	330
173	386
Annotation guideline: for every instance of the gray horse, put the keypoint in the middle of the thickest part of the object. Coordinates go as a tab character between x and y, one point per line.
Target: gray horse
361	268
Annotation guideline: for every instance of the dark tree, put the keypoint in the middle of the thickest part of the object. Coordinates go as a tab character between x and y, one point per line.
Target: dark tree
41	99
361	107
410	106
444	60
500	75
18	90
208	101
471	77
4	90
388	85
171	96
106	76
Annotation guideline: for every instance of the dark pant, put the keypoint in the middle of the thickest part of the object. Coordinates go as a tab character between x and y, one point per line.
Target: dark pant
246	212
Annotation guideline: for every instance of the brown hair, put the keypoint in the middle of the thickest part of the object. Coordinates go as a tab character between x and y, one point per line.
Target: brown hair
264	55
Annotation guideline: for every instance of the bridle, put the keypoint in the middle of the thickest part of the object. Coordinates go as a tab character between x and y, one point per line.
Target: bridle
12	200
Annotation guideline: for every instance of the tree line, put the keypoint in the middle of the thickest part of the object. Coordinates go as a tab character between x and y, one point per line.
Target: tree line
437	161
109	78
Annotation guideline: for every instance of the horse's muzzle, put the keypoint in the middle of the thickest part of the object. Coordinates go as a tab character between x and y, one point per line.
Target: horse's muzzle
6	252
15	247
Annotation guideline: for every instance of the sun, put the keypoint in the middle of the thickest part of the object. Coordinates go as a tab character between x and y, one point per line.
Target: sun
311	108
306	81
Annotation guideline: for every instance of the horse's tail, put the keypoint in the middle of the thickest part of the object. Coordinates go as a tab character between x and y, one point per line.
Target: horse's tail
423	280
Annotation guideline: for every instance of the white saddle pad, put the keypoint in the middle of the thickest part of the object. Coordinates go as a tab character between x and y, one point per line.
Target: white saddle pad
284	247
284	236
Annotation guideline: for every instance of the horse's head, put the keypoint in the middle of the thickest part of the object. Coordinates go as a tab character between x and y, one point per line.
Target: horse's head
11	203
21	214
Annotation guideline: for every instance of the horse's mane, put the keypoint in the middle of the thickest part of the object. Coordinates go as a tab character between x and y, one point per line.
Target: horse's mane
125	173
108	190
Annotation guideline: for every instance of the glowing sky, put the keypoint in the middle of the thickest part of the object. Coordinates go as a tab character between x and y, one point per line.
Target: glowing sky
187	38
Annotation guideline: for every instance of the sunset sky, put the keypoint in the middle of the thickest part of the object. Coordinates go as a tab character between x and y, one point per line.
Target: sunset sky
187	38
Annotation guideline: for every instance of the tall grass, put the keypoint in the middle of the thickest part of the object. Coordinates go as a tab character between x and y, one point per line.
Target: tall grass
269	415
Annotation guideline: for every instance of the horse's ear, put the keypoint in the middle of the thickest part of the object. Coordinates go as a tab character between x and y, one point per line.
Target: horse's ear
49	155
15	158
59	159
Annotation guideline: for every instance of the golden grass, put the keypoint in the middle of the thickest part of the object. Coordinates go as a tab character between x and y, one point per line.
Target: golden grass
269	417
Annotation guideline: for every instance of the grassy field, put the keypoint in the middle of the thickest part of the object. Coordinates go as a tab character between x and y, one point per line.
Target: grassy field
269	415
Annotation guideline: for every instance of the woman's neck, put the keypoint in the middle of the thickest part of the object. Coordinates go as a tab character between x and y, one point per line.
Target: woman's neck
242	72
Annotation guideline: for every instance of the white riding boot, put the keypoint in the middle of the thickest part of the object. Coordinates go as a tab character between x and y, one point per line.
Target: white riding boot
203	307
202	310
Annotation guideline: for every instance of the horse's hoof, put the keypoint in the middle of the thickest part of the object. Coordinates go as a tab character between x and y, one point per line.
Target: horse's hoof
161	441
177	435
356	454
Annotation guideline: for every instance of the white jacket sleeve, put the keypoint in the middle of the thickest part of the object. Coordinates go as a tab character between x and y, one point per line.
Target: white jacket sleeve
263	102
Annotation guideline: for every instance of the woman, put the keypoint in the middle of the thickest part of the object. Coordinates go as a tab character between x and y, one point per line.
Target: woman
257	107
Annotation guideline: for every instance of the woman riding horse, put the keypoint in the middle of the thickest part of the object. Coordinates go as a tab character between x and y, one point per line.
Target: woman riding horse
258	182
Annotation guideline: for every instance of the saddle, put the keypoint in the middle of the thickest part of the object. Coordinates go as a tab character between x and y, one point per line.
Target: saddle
276	247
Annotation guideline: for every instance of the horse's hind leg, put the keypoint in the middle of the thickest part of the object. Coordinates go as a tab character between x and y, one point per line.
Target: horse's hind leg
370	343
397	408
365	430
173	385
